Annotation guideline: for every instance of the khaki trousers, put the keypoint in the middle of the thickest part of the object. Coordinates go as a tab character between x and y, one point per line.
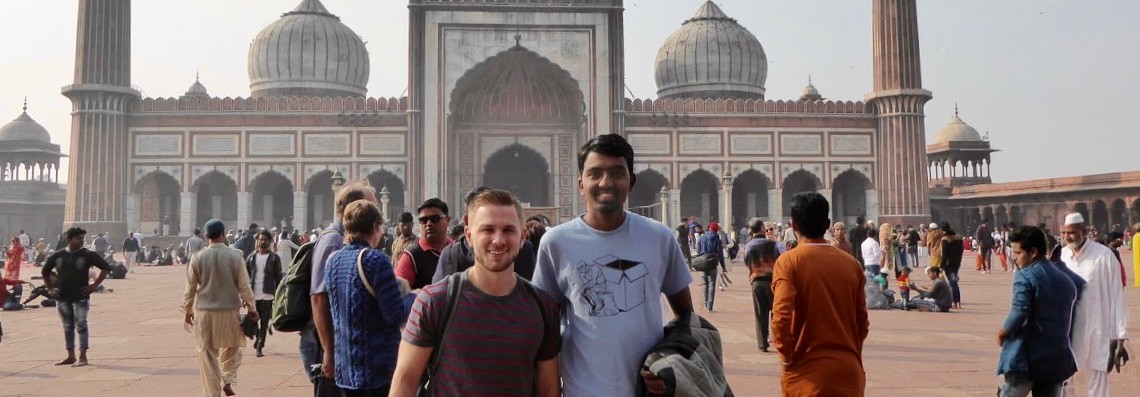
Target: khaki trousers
217	370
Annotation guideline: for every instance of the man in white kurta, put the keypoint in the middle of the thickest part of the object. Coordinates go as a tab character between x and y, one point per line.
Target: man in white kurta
1101	315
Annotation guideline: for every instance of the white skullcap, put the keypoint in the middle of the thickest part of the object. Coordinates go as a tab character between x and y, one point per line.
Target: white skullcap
933	225
1074	219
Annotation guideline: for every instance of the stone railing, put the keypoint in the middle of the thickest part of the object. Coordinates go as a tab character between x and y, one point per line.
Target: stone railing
272	104
743	106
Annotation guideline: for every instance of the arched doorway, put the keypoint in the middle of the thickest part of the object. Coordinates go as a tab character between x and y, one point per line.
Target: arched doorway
1015	215
1083	209
1100	216
513	94
272	196
647	190
159	204
522	171
973	220
1119	216
381	179
699	195
750	196
988	215
849	197
217	199
795	183
319	199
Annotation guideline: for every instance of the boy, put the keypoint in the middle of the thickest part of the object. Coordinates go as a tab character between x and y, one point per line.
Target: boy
904	287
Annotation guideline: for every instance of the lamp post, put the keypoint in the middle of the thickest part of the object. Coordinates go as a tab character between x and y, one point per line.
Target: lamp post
337	181
726	183
663	196
384	199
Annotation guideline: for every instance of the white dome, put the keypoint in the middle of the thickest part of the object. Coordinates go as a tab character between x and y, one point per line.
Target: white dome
197	90
810	93
957	131
23	128
711	56
308	52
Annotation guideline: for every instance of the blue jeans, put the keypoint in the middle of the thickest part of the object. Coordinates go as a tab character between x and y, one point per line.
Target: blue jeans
873	268
312	354
73	315
952	279
710	288
1019	385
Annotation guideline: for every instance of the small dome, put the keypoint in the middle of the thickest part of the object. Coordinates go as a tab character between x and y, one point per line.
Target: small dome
197	90
308	52
711	56
23	128
810	93
957	131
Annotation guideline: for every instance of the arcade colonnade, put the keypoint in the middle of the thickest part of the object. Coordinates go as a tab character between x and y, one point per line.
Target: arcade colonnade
744	191
166	201
1108	212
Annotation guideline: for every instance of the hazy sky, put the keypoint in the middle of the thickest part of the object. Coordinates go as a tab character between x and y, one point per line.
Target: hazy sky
1051	80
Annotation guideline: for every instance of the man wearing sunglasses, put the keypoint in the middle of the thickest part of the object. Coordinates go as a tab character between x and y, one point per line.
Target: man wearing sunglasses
418	263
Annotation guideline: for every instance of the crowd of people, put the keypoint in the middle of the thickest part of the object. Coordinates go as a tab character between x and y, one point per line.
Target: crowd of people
422	307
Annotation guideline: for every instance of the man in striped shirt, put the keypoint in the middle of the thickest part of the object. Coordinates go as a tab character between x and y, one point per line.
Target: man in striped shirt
503	339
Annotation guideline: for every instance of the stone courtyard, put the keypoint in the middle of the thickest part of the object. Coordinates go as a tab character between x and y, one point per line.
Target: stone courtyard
139	347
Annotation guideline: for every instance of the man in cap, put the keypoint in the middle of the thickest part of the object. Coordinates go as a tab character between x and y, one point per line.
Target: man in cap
934	243
1100	321
217	286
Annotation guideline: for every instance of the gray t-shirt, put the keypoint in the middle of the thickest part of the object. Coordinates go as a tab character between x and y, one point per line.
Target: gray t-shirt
326	244
609	286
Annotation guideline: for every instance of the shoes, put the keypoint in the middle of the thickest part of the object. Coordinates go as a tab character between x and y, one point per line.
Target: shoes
722	287
764	349
259	353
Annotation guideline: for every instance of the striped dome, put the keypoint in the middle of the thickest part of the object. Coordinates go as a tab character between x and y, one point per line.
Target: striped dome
711	56
308	52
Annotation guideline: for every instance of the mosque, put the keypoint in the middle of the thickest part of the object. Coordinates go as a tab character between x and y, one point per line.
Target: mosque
501	93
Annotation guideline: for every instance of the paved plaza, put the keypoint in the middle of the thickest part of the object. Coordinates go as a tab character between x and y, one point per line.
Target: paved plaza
139	347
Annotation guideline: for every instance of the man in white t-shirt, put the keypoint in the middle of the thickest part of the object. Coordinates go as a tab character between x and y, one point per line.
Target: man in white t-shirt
265	273
607	270
872	252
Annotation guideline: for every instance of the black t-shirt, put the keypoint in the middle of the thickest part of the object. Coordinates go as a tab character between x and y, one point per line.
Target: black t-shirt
912	238
683	235
73	271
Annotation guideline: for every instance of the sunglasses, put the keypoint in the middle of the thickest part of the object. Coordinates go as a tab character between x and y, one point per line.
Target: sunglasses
430	219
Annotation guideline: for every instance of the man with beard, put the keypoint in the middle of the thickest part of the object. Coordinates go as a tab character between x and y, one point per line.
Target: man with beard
607	270
458	256
404	237
265	272
525	319
418	263
1100	321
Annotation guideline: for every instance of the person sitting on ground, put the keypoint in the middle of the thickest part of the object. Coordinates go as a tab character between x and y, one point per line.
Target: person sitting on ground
936	299
875	298
881	280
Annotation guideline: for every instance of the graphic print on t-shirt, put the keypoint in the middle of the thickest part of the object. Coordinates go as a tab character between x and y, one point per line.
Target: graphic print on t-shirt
611	285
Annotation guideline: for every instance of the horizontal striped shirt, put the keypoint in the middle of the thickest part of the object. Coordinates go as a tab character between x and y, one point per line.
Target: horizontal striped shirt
492	343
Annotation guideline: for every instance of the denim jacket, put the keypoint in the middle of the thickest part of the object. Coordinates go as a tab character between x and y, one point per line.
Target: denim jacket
1038	325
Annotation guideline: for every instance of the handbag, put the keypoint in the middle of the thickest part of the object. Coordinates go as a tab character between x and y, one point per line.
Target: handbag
705	262
248	326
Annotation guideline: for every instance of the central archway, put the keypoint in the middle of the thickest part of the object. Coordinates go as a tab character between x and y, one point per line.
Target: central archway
750	196
849	197
515	94
217	198
159	203
519	170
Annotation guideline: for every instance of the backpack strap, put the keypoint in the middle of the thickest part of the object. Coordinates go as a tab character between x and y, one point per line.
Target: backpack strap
454	286
530	290
363	278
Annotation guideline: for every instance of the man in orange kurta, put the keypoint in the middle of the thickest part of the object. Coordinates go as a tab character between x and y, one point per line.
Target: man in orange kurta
819	317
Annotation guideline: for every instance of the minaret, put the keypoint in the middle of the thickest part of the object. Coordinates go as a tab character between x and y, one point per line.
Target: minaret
97	183
898	100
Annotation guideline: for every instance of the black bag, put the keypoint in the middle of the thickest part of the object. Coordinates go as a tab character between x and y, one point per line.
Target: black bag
118	271
292	309
705	263
248	326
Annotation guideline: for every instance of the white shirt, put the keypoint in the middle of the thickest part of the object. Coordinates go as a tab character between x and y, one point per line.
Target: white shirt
1101	314
25	240
259	278
872	253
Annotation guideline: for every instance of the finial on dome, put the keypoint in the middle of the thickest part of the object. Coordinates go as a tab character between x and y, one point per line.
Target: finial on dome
809	78
197	76
25	103
955	108
518	39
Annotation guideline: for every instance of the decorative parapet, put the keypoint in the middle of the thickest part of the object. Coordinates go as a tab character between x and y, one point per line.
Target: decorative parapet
722	106
272	104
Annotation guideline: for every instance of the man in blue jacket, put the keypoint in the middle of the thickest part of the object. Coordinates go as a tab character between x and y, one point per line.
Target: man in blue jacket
1035	352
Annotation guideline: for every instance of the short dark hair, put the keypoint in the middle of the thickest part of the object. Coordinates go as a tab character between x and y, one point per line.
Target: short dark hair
872	233
765	249
756	225
1029	237
73	232
606	144
934	269
433	202
406	217
809	212
197	231
266	233
253	227
945	226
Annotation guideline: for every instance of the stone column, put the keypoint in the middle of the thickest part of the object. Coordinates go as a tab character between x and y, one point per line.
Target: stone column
826	193
675	206
663	198
726	191
300	205
775	205
243	203
873	205
187	208
134	212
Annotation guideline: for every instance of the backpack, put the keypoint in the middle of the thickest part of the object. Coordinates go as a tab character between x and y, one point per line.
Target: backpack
292	309
118	271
